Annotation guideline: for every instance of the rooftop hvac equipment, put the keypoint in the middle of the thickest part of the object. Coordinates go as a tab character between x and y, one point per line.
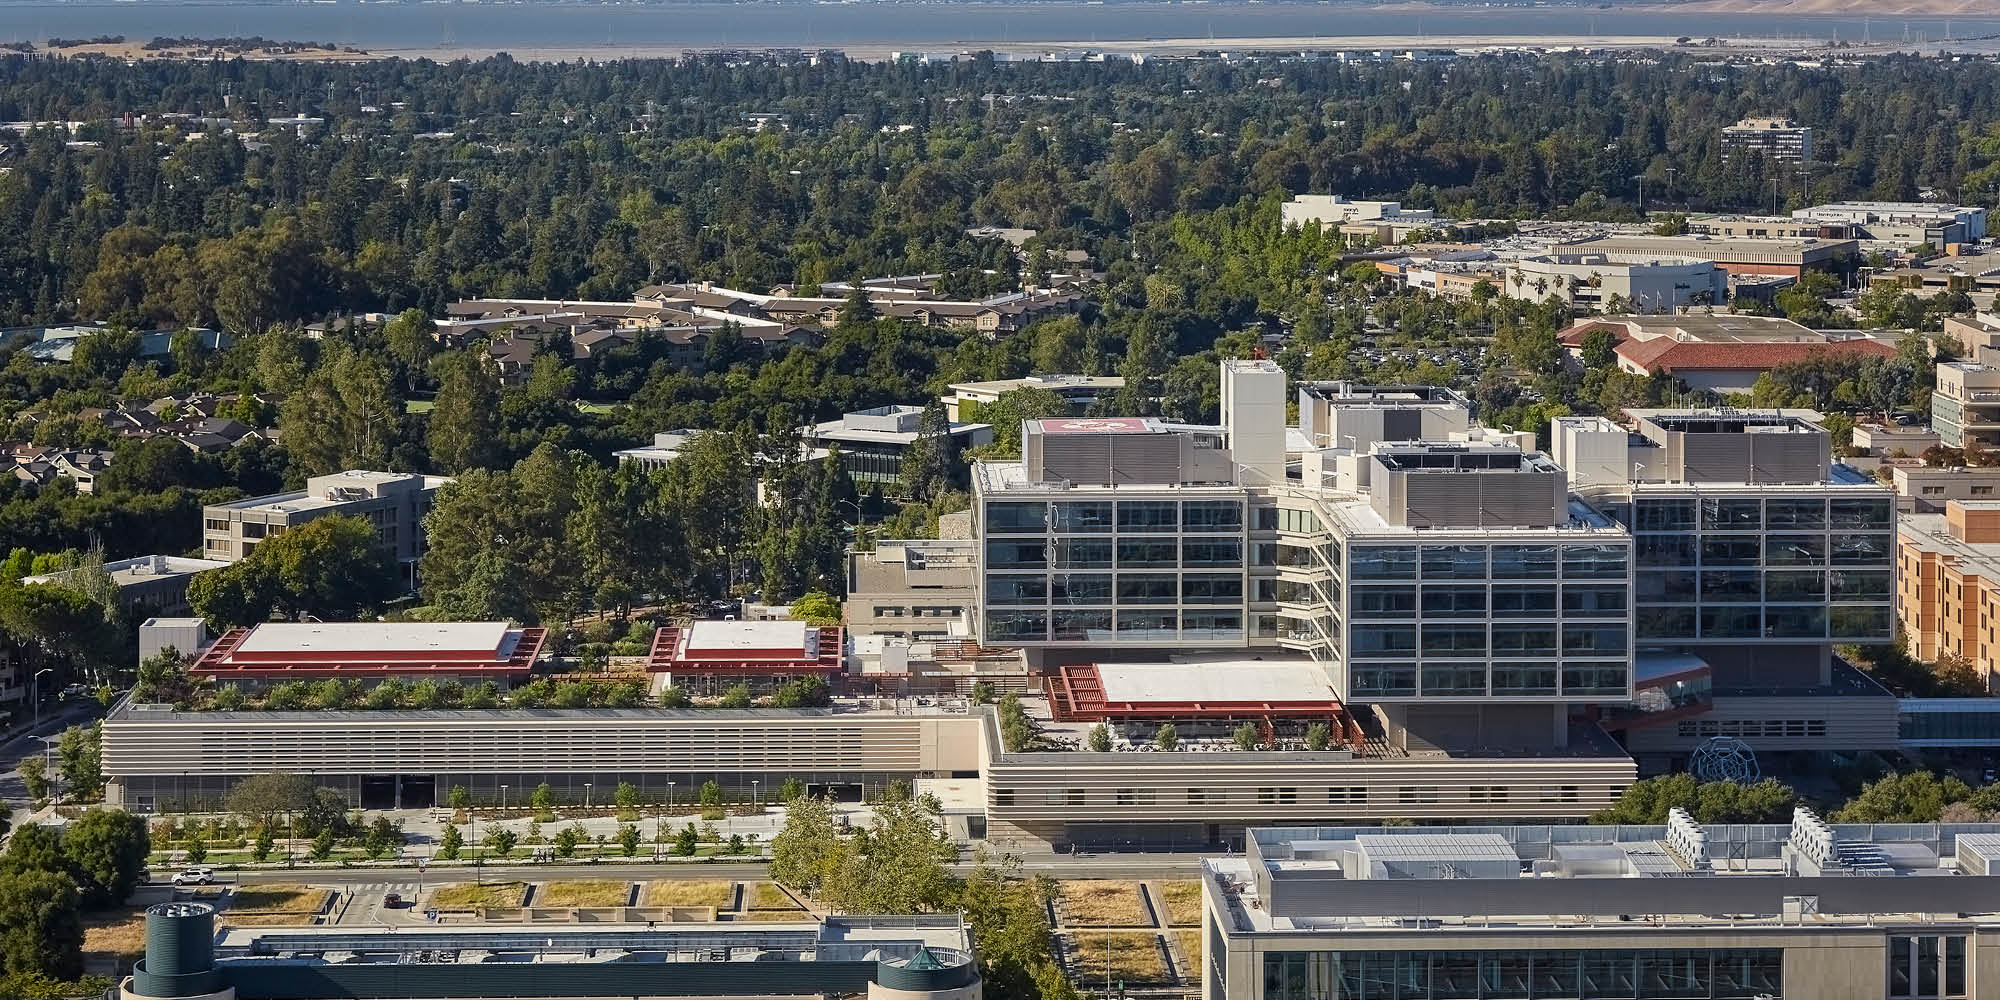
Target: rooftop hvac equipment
1686	840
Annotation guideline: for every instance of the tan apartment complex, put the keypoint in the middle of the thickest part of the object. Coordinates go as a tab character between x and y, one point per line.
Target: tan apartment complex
1948	584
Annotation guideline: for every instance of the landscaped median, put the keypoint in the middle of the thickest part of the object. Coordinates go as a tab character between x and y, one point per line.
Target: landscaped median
461	896
1103	903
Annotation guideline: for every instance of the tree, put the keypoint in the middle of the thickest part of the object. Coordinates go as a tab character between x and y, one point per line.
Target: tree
817	608
711	793
566	840
738	696
1100	738
1246	736
1647	802
802	692
34	775
41	924
347	415
108	847
790	789
628	839
459	799
543	799
1917	797
464	420
330	567
36	847
261	848
197	849
263	798
382	838
81	760
501	840
932	463
858	310
687	842
1165	738
450	843
322	845
806	849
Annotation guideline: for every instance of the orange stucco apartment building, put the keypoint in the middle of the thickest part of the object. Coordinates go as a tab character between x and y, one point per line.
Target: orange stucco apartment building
1948	584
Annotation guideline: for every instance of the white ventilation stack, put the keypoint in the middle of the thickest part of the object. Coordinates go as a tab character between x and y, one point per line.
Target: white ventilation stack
1687	841
1253	419
1812	848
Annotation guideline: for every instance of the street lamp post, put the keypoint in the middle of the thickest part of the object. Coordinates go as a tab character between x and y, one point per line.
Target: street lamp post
670	797
37	695
586	797
754	799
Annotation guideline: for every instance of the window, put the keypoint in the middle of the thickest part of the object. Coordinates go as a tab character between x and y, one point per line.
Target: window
1731	586
1212	625
1142	553
1211	588
215	524
1862	585
1081	588
1852	622
1080	626
1384	680
1663	515
1212	515
1301	522
1524	640
1135	797
1454	562
1782	514
1454	640
1593	639
1012	554
1730	622
1347	795
1594	602
1524	562
1850	550
1731	514
1876	513
1806	623
1083	518
1523	679
1003	796
1454	602
1454	681
1073	554
1212	551
888	611
1075	796
1017	590
1523	601
1017	625
1795	550
1277	796
1730	550
253	529
1016	518
1147	516
1147	588
1385	640
1383	562
1147	626
1263	553
1395	603
1266	518
1593	562
1664	623
1665	550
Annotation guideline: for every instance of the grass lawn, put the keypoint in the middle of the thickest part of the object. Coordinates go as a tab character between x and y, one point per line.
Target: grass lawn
1182	901
688	892
768	896
1135	958
278	899
1190	942
419	406
596	892
118	934
471	896
1102	903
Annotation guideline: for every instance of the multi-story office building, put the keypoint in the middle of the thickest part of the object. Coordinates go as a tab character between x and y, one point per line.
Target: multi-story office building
1965	405
1776	138
919	589
1589	279
1606	913
1903	221
1754	554
872	442
393	502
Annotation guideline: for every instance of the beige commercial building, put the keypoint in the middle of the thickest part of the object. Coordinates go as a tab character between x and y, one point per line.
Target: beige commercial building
1721	913
393	502
921	589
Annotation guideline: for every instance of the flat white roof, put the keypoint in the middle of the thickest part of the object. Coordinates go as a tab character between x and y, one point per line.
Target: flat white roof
373	637
1215	681
713	636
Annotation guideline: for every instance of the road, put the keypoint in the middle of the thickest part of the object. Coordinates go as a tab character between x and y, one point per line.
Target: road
13	792
1062	866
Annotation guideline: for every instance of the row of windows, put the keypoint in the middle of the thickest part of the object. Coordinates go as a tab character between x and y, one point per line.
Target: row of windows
1399	680
1920	725
1757	514
1751	728
1088	517
1515	974
1841	621
1755	586
1285	795
1126	588
1766	550
1098	626
1481	562
1035	553
1475	639
1402	602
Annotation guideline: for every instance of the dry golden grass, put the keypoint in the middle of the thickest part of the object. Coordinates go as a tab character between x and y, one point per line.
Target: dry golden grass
1182	901
279	899
688	892
119	935
583	893
471	896
1102	903
1190	943
768	896
234	919
1135	957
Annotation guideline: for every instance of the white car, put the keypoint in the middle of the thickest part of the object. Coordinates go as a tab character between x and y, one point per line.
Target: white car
194	876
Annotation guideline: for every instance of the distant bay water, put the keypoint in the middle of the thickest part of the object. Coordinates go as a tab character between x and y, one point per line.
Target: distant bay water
523	27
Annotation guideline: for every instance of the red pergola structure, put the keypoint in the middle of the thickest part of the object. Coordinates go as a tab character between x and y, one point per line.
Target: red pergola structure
228	657
1076	694
675	651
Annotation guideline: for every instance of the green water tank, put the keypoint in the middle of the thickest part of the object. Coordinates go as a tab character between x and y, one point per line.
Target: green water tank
180	952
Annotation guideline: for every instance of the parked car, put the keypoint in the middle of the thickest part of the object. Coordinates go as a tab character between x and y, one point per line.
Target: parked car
392	900
194	876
